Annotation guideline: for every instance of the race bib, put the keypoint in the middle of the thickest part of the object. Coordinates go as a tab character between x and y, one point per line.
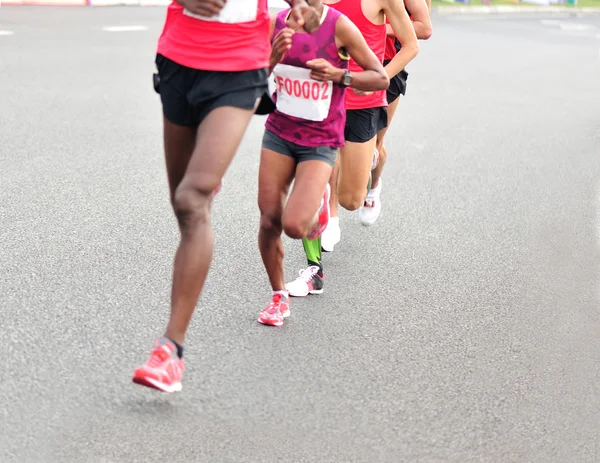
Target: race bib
234	11
300	96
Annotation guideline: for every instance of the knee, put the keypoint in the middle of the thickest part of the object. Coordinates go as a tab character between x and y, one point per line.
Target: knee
270	223
351	200
191	206
294	227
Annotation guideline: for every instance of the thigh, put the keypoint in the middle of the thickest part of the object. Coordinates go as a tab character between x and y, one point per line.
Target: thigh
179	142
217	140
275	174
312	177
391	111
356	160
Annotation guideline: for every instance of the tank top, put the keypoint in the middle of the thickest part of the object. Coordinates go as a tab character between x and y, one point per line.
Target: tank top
309	113
235	40
375	36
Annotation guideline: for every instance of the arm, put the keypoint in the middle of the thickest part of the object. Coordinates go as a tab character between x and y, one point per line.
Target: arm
281	44
403	30
419	12
374	76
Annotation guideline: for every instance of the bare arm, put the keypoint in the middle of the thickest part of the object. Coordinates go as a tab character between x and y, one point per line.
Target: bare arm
403	30
374	76
419	12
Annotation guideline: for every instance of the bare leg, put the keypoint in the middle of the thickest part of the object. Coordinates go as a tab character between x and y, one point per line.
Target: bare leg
217	140
356	160
380	146
275	175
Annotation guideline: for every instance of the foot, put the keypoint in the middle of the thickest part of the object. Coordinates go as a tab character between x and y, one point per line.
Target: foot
309	282
322	216
332	235
371	208
163	370
276	311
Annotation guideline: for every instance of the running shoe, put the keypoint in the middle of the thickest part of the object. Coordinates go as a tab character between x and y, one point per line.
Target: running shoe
309	282
322	216
371	208
163	370
276	311
332	234
375	159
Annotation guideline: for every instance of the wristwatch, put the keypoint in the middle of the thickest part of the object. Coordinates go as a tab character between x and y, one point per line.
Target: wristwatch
346	79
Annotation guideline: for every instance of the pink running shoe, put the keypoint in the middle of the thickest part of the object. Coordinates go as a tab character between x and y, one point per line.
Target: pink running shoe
322	216
276	311
162	371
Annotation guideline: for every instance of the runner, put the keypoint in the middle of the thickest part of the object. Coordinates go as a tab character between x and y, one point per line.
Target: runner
419	14
365	116
303	135
209	91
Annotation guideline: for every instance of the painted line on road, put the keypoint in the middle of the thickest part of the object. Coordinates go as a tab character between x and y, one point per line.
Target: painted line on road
575	27
550	22
7	33
136	28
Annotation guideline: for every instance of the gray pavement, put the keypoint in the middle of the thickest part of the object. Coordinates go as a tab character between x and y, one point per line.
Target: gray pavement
464	326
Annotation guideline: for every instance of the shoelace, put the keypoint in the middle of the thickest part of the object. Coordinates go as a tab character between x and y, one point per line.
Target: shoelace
275	305
158	356
308	273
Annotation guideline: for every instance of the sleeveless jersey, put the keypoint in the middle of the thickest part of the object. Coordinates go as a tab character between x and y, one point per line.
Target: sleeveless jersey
235	40
309	113
375	36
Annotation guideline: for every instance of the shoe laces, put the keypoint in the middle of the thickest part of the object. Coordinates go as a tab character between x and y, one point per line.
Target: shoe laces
158	356
308	273
275	305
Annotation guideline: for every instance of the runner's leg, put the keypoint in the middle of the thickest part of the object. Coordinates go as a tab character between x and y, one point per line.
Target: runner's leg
380	145
356	160
218	138
275	175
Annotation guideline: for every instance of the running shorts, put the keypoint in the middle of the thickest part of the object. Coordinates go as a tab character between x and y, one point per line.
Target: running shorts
364	124
299	153
397	85
188	95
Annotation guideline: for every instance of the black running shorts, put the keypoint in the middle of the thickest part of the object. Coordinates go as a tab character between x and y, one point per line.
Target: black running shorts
188	95
364	124
397	85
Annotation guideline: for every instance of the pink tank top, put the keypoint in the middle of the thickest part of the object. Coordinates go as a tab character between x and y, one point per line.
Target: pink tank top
309	113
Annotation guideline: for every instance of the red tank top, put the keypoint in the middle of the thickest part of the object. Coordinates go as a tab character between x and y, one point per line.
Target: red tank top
376	38
236	40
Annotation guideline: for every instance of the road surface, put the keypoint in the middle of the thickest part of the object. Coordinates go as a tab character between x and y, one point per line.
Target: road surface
464	326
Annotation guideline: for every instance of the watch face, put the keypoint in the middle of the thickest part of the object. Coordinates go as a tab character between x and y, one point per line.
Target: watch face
347	79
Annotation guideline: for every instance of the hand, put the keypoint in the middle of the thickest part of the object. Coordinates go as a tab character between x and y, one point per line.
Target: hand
206	8
361	92
303	15
324	71
281	44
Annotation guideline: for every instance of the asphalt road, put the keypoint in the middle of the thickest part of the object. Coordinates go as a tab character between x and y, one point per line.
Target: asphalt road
464	326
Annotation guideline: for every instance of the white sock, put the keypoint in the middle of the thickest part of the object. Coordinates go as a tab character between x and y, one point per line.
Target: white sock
285	294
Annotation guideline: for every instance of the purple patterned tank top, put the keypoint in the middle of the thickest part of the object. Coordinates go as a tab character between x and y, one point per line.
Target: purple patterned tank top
309	113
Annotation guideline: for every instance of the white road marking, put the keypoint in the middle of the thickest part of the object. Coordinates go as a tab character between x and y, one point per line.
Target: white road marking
550	22
575	27
124	28
6	32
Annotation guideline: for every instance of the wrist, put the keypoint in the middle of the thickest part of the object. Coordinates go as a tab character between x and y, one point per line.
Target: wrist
339	75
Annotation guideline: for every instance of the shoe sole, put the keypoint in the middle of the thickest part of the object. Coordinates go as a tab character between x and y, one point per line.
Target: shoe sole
153	384
268	323
313	292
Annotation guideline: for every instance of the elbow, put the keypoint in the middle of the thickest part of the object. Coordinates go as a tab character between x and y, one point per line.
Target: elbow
415	49
425	34
384	81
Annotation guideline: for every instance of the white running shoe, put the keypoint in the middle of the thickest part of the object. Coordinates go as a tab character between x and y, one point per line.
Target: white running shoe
371	208
332	235
309	282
